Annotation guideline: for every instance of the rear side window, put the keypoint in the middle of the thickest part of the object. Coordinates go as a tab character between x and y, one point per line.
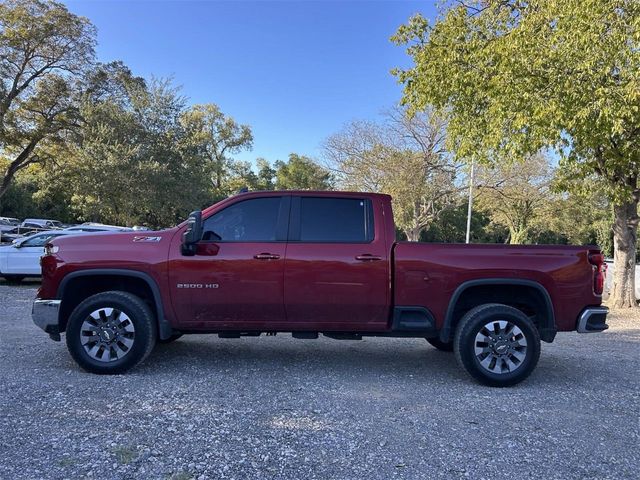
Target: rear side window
254	220
335	220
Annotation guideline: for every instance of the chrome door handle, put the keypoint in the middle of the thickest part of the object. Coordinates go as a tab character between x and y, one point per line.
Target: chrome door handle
367	257
266	256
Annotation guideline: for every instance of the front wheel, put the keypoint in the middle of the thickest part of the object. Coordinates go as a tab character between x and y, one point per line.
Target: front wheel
497	345
111	332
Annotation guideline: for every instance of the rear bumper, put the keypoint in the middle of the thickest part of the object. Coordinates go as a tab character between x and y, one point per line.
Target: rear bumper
592	320
45	316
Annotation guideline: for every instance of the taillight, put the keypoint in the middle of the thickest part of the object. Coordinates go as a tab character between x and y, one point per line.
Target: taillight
596	259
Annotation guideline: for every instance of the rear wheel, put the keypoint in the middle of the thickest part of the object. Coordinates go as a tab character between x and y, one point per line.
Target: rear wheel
497	345
111	332
440	345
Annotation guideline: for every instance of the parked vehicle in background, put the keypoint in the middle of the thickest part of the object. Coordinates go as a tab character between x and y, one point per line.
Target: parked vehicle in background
8	231
309	263
41	223
97	227
9	221
21	258
6	225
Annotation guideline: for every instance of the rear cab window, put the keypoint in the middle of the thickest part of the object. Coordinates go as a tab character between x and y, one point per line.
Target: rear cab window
332	220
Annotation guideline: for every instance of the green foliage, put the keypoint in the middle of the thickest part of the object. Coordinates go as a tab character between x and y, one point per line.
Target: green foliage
451	227
301	173
44	51
130	165
214	136
517	196
403	156
515	77
298	173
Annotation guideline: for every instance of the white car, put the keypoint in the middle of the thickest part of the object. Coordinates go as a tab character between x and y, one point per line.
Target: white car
21	258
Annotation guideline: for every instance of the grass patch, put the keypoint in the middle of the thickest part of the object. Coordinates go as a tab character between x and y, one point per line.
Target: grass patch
124	455
180	476
66	462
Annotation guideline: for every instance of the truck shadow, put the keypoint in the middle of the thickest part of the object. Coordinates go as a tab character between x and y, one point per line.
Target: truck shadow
265	355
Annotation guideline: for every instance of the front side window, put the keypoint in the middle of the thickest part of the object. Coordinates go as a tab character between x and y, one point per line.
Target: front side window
254	220
346	220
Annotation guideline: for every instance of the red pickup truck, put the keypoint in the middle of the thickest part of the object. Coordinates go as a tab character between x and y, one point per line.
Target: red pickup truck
309	263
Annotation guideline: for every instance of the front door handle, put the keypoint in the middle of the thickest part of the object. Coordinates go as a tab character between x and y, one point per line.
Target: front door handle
266	256
367	257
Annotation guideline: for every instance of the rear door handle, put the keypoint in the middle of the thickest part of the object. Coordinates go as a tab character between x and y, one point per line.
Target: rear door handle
367	257
266	256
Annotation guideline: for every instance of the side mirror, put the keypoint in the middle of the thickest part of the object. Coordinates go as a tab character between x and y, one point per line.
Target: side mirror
192	234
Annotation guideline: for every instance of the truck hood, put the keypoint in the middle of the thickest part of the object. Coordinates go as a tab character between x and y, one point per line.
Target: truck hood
114	249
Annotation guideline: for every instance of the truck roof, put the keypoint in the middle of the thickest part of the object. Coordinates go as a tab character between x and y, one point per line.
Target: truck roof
306	193
315	193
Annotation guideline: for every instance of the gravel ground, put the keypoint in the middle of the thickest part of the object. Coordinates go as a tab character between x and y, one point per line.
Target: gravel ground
275	407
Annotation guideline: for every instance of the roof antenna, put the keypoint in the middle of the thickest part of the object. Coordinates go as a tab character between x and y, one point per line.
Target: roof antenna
243	190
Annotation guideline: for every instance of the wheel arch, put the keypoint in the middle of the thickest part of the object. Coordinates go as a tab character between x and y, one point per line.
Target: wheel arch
76	286
529	296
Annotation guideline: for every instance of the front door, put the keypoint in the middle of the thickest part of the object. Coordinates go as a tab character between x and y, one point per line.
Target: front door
337	267
235	280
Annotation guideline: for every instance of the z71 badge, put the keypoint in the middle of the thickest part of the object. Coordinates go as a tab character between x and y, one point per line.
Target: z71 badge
146	239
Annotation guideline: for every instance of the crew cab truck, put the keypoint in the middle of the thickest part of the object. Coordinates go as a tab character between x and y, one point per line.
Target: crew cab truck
313	263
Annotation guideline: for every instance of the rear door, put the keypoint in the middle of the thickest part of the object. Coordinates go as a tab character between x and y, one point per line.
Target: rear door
336	272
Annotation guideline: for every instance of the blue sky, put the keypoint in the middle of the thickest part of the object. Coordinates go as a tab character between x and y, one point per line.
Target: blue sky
295	71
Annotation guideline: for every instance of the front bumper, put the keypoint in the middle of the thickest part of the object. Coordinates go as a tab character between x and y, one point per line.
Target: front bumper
592	320
45	316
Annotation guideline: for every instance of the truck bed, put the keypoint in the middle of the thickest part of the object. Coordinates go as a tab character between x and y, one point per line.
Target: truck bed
429	274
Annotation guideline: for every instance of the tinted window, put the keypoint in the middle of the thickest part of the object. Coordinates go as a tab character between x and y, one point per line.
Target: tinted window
335	220
38	241
253	220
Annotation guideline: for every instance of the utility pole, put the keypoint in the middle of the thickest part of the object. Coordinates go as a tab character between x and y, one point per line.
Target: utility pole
470	203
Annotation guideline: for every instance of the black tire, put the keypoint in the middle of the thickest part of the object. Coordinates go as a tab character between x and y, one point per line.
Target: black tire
171	339
13	278
440	345
510	355
141	320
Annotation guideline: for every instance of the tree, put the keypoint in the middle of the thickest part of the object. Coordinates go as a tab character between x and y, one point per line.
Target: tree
404	156
132	163
44	51
215	136
515	77
518	196
301	173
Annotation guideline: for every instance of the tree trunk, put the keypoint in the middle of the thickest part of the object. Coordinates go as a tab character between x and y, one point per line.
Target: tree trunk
625	233
25	158
518	236
413	234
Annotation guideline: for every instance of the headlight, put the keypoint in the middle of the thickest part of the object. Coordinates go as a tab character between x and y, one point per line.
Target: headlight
50	249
